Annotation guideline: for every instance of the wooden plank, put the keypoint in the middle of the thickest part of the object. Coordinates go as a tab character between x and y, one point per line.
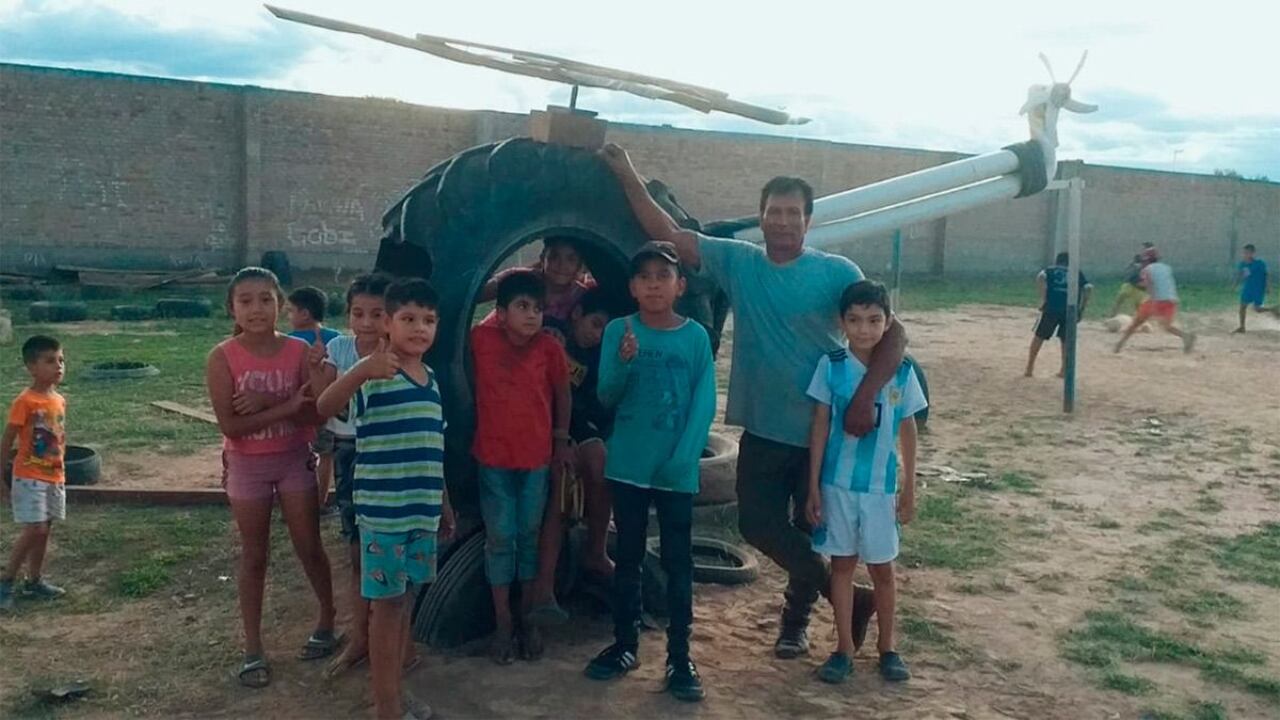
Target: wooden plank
186	410
139	496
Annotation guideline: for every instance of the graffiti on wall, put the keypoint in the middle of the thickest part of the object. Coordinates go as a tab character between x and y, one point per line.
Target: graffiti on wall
335	224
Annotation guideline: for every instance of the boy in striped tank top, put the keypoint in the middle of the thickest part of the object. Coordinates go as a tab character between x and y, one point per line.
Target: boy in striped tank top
394	404
855	501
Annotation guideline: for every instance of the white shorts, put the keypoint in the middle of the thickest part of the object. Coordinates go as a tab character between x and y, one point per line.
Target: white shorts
36	502
858	524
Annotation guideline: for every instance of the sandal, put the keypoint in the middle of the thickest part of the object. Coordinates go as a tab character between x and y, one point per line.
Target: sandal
255	672
502	650
320	645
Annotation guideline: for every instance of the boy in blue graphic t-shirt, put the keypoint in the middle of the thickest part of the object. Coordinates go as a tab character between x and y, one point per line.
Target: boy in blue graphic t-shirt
1251	275
855	503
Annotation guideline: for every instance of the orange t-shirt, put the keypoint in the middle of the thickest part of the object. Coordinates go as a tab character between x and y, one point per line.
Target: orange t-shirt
42	439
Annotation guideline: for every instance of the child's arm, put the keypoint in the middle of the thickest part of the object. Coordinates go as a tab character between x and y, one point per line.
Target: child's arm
907	445
6	444
614	370
702	411
819	431
563	409
217	378
1043	287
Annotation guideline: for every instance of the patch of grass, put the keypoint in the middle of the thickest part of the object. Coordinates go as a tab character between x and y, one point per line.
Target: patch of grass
1056	504
1127	684
1207	503
947	533
1213	604
1106	523
1019	483
1253	557
1154	526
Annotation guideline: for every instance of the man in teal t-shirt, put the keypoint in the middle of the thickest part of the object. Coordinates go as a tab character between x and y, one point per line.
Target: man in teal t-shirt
785	301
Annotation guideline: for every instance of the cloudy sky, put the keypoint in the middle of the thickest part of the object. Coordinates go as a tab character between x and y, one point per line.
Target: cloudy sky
1191	90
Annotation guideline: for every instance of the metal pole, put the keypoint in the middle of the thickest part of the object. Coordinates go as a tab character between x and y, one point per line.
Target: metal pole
1075	186
896	269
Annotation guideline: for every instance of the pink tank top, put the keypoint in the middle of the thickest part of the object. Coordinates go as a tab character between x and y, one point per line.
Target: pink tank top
279	375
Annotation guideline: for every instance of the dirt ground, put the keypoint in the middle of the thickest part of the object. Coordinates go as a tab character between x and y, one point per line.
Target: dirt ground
1155	432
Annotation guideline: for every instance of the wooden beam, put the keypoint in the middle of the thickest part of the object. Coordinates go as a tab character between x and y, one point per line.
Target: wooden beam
179	408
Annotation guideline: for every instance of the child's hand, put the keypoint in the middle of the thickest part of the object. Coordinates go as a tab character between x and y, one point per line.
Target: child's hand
813	509
299	399
381	364
628	346
563	456
448	521
317	353
248	402
906	509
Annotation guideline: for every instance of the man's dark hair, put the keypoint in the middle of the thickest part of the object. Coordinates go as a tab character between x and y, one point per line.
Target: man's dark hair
521	283
367	284
784	185
599	300
1250	247
1062	259
35	346
864	292
411	291
311	299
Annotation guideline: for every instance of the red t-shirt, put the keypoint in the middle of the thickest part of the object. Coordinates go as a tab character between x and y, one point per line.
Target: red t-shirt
515	388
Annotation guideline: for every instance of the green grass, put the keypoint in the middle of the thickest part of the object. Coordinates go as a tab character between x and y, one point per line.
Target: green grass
1106	523
1253	557
1127	684
1207	503
923	294
1213	604
1019	483
949	533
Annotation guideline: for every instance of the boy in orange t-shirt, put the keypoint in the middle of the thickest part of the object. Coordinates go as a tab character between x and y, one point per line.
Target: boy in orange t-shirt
36	489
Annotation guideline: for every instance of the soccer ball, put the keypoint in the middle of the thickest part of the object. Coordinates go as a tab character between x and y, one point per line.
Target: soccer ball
1116	323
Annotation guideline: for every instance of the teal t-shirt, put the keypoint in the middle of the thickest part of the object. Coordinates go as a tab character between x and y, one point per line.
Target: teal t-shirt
785	317
665	400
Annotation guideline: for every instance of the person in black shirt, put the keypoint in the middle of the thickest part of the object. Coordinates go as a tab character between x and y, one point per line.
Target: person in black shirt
1053	307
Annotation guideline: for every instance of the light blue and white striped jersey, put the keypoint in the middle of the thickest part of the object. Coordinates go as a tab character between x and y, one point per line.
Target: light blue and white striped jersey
343	356
399	475
868	464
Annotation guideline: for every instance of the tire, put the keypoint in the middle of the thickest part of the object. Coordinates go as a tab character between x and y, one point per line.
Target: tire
457	607
715	561
83	466
336	307
277	261
131	313
183	308
718	471
58	312
23	292
922	417
472	211
120	371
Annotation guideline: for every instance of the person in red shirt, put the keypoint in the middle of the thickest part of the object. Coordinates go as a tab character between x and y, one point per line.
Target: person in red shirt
37	488
522	382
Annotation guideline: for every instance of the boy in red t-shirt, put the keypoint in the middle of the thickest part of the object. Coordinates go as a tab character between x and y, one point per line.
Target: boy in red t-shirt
36	421
522	377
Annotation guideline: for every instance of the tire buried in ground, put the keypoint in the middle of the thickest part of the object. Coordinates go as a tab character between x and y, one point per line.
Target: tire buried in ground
714	561
183	308
120	371
57	312
83	466
457	607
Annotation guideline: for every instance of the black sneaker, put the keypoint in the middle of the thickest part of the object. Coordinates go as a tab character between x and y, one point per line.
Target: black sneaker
792	642
613	662
683	681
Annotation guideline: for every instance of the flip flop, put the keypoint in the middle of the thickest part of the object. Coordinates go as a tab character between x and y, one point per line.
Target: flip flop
320	645
255	672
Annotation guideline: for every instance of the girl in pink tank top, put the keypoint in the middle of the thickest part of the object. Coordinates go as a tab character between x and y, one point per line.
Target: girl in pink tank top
258	386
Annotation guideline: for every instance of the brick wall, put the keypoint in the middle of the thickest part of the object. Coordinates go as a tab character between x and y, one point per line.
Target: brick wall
120	171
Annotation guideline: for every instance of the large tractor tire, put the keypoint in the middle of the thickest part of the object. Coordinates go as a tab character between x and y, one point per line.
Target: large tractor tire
465	217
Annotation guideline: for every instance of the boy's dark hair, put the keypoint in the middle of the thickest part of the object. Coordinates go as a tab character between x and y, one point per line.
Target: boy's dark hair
864	292
551	241
311	299
412	291
785	185
521	283
37	345
1062	259
599	300
367	284
1250	247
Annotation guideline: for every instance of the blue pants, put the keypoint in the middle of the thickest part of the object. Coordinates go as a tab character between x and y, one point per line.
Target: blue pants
511	504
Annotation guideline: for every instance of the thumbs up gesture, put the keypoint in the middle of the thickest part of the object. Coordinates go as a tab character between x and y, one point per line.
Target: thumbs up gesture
381	364
628	346
317	352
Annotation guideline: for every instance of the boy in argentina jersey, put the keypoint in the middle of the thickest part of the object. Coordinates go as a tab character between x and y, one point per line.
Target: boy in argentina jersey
854	502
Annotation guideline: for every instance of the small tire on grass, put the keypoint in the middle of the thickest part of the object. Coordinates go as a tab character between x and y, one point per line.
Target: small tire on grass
715	561
131	313
277	261
83	465
57	312
120	371
336	307
457	607
23	292
183	308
